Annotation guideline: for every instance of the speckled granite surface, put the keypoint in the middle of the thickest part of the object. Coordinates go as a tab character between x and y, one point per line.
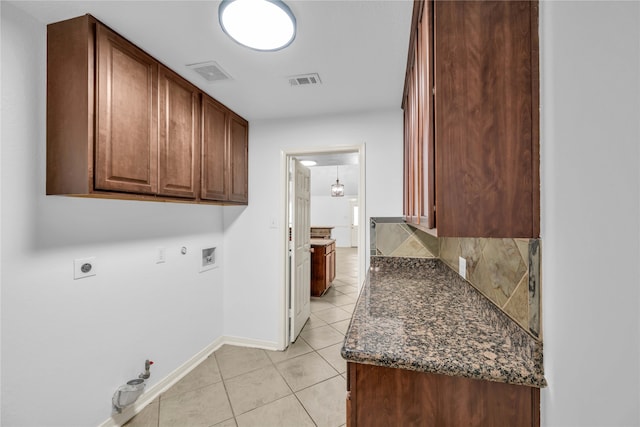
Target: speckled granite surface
418	314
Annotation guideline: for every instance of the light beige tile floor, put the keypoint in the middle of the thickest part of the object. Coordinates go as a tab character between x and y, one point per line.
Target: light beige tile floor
240	386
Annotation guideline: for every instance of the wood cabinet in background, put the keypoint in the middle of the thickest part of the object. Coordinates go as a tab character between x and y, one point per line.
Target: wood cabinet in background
122	125
323	265
471	119
381	396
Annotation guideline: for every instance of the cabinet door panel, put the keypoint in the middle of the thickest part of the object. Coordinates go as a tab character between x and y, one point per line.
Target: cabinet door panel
419	181
214	182
127	116
382	396
483	74
239	146
179	135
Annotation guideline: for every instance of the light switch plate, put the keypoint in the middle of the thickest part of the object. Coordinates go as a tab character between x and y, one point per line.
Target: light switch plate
84	267
462	267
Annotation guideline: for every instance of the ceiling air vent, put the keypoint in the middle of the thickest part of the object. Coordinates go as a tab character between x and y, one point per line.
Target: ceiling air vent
305	80
210	71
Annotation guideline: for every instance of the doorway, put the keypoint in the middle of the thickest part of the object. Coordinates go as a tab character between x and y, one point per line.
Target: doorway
288	304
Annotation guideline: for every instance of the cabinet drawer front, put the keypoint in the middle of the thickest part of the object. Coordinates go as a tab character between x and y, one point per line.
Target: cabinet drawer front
126	121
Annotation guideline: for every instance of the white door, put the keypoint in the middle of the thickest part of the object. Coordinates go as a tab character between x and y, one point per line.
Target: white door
353	206
301	251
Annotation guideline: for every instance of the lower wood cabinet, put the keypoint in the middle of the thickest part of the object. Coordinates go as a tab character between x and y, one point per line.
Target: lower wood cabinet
323	266
380	396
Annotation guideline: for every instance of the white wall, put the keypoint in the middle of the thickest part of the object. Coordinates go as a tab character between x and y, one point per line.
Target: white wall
67	345
334	211
254	269
590	56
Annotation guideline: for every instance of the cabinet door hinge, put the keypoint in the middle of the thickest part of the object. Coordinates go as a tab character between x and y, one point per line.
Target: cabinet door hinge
290	312
433	90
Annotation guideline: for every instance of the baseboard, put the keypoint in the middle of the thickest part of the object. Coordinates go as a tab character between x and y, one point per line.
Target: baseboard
248	342
152	393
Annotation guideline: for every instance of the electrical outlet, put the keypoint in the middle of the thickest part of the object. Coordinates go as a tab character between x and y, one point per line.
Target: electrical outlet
84	267
208	260
462	267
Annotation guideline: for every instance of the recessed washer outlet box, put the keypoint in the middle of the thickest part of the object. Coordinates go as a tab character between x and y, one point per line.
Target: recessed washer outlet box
208	260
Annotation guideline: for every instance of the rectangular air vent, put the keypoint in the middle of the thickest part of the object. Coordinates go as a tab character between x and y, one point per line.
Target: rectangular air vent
305	79
210	71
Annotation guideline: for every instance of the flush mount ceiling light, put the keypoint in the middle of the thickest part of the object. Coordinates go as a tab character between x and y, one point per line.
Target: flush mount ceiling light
264	25
308	162
337	189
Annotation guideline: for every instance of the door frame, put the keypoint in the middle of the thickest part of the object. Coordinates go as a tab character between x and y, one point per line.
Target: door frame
352	204
285	156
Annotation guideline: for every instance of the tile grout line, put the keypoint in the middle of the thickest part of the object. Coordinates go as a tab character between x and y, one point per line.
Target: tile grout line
345	282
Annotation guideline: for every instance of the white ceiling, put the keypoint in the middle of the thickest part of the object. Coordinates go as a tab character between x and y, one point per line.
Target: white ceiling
359	49
331	159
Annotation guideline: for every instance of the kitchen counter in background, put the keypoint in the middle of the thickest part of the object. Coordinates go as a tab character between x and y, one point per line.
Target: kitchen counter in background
321	242
419	315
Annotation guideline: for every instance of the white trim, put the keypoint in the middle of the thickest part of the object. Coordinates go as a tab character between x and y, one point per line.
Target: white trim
249	342
284	213
166	383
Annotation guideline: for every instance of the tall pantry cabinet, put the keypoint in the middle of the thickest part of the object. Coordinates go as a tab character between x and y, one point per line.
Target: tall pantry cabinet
122	125
471	119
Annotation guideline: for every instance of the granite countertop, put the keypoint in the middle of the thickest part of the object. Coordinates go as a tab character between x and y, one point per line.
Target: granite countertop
420	315
321	242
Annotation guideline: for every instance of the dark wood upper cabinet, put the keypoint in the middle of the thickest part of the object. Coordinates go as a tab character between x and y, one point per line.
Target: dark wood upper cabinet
122	125
225	143
126	119
215	167
480	58
239	158
179	135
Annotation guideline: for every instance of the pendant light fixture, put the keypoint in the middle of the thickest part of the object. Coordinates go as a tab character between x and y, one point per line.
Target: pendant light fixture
337	189
264	25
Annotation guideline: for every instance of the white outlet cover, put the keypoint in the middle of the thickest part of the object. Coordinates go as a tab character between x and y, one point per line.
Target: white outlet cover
84	267
462	267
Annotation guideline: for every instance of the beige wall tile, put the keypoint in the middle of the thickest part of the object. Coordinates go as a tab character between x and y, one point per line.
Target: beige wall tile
428	241
518	306
449	251
471	250
412	247
390	236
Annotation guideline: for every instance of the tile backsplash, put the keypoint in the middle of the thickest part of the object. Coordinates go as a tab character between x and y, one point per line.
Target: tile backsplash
393	237
506	271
